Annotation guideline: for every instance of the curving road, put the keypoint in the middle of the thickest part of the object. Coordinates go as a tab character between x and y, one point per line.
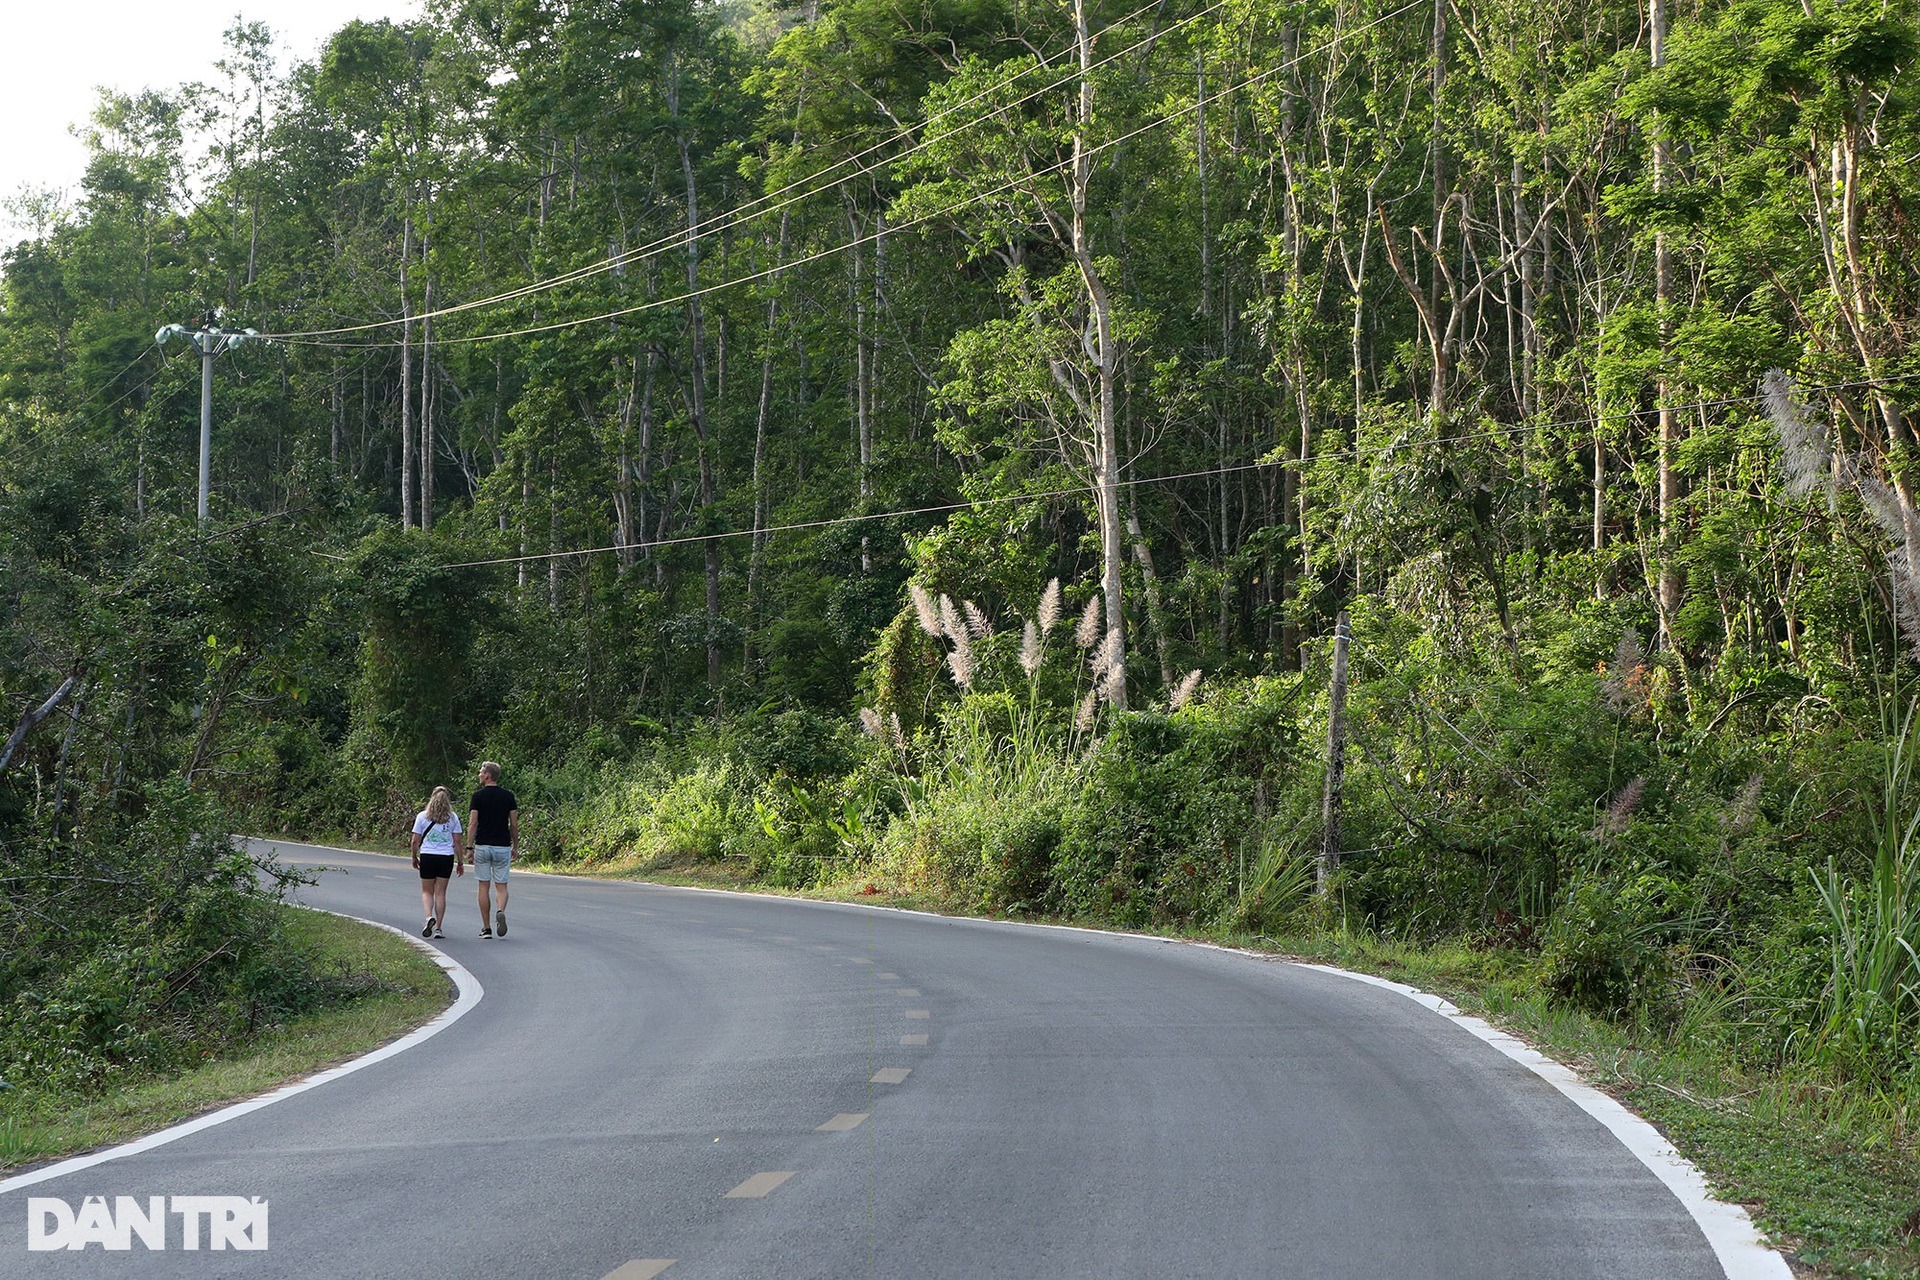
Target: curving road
671	1082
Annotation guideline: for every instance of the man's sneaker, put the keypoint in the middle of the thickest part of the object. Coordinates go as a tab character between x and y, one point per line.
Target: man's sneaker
500	923
437	933
426	930
486	933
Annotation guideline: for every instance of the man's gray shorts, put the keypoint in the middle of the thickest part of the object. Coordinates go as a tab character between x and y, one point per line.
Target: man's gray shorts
490	861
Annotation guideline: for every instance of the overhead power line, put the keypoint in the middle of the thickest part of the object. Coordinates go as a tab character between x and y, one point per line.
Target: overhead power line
1354	454
752	209
861	240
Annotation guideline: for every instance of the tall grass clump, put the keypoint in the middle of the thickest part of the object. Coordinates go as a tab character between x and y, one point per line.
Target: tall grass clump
985	782
1870	1012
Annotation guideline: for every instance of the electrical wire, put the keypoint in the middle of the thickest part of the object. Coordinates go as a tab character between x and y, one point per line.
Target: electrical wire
736	217
1353	454
978	198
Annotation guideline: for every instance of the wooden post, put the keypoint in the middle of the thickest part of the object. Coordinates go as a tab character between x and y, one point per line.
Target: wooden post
1336	757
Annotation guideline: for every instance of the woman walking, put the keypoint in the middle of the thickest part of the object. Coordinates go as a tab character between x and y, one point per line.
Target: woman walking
436	856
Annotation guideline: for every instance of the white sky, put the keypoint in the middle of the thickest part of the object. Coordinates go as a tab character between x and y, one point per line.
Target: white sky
54	53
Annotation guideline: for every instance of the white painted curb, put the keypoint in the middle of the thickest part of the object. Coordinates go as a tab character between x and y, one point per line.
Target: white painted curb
464	982
1736	1242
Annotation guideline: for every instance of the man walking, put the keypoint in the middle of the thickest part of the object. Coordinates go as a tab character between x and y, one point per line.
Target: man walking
493	826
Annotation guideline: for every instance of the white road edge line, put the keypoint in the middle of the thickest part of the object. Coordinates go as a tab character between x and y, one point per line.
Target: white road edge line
464	982
1735	1241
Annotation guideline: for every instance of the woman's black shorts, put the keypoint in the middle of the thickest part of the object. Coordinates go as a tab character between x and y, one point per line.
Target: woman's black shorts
436	866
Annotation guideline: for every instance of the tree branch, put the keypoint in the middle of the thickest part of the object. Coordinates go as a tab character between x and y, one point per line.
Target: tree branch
32	718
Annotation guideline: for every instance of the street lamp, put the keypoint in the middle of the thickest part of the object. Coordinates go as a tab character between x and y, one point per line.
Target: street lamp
209	340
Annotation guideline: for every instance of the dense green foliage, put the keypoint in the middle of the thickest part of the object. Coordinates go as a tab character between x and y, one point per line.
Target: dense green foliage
690	406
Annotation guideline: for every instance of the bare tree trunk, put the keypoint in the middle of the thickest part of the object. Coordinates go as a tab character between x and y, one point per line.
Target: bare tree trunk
406	376
862	375
1671	583
1107	357
756	563
526	508
645	465
426	398
697	394
623	468
553	521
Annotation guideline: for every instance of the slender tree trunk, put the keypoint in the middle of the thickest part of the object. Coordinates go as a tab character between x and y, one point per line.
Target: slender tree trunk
862	373
644	489
756	564
1107	358
426	398
1671	583
697	395
406	376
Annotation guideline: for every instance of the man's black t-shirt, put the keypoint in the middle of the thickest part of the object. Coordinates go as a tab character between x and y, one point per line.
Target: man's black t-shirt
493	803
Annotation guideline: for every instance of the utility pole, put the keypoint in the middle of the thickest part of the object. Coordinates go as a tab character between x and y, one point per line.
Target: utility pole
209	340
1336	757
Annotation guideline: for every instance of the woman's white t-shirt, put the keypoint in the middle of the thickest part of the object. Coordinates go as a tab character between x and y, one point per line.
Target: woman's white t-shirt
436	837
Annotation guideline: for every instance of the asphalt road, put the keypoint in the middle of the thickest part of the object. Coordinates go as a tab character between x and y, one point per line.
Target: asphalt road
755	1087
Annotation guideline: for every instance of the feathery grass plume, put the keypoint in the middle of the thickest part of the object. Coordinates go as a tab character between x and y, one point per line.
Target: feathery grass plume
1051	605
1883	504
1114	683
1032	649
870	723
1906	599
923	607
1620	812
1083	718
961	658
899	734
1107	656
1184	690
1740	815
976	620
1805	456
1087	633
950	622
1625	688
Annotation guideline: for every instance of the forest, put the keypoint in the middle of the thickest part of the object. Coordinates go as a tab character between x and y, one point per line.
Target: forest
926	448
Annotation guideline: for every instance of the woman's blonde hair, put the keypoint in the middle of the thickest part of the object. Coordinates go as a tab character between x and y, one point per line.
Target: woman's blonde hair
440	808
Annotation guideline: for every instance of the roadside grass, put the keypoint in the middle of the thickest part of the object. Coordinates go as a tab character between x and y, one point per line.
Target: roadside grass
387	987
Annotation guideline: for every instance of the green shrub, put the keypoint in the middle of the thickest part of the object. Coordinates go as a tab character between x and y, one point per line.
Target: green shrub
88	996
1610	948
